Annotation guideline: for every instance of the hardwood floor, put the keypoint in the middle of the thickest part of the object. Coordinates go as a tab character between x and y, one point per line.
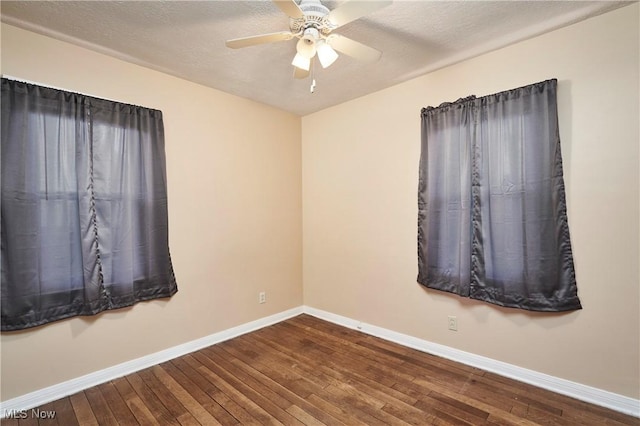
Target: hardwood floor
305	371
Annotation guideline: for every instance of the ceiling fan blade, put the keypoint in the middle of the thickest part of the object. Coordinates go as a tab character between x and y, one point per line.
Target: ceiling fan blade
353	48
301	73
354	9
290	7
237	43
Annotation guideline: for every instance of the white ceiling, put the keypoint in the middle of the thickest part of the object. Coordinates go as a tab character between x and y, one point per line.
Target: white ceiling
186	39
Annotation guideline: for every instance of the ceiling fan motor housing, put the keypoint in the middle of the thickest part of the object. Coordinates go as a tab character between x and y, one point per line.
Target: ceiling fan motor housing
313	6
314	17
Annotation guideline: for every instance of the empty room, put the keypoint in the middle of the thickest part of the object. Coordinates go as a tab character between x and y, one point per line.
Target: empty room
320	212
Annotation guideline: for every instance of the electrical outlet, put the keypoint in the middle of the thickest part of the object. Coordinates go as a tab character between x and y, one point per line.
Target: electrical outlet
453	323
262	297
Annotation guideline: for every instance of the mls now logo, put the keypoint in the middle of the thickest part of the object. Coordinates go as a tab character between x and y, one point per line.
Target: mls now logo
15	414
35	413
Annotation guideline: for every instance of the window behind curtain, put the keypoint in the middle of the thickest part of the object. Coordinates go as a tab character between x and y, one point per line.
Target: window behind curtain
84	206
492	219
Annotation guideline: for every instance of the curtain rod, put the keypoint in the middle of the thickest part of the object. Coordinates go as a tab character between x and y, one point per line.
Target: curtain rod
23	80
48	86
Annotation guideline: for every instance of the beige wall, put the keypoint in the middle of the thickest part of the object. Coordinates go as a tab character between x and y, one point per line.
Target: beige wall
234	179
360	165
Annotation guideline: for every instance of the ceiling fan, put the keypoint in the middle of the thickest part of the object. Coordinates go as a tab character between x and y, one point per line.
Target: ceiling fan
313	24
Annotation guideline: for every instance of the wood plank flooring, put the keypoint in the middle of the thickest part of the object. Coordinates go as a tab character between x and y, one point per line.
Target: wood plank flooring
305	371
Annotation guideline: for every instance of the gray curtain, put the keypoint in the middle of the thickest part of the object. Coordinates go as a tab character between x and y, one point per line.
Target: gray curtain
84	206
492	216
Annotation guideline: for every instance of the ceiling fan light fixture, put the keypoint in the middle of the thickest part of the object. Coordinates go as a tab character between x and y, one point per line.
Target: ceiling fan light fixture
306	47
301	61
326	54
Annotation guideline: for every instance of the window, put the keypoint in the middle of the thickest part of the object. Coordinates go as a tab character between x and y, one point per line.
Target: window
84	206
492	221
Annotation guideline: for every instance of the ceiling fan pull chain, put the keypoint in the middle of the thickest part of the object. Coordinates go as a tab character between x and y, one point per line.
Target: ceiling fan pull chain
313	80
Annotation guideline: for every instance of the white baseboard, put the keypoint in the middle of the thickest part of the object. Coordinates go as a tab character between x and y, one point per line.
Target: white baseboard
575	390
579	391
52	393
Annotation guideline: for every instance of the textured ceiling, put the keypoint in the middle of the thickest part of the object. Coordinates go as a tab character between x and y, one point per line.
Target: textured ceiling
186	39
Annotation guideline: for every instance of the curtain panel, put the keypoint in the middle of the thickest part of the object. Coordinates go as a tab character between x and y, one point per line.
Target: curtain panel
84	206
492	215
